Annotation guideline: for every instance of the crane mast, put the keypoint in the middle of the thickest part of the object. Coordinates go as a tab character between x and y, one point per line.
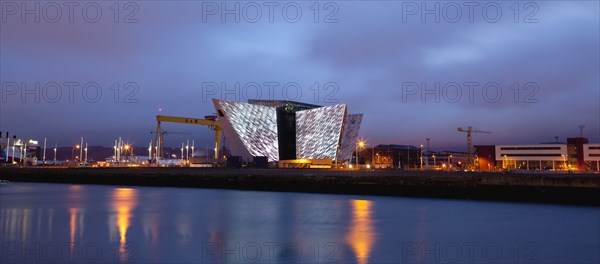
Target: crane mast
469	132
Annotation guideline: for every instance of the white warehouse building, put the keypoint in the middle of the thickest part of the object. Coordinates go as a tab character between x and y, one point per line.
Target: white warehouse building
533	157
591	156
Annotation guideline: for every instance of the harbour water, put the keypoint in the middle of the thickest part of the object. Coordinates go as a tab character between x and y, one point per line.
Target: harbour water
62	223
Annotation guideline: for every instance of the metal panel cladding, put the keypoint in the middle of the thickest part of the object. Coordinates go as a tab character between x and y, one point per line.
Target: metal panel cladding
256	126
318	131
349	136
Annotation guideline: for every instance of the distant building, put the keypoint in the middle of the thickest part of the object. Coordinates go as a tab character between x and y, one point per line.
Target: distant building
390	157
591	157
288	130
532	157
576	154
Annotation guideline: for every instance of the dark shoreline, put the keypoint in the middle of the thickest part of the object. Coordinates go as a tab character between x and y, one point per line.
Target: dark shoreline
580	189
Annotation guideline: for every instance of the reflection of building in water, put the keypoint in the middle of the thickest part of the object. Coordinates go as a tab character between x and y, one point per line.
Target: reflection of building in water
361	236
75	201
183	218
124	201
76	226
19	224
14	223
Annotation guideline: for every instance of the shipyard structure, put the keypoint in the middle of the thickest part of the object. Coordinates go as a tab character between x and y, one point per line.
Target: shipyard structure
288	132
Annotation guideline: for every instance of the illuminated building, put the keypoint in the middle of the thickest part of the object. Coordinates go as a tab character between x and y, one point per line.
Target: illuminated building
576	154
288	130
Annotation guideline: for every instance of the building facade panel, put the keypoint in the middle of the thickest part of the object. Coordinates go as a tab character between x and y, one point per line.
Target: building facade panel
556	152
591	152
318	131
349	137
533	157
254	125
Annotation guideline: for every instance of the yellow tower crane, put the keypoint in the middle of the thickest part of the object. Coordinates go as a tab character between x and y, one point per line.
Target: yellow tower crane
208	121
469	131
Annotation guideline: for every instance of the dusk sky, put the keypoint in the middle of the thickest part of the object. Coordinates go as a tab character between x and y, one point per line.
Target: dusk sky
366	54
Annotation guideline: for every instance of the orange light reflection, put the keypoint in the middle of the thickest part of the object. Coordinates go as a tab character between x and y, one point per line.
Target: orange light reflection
124	200
361	236
73	227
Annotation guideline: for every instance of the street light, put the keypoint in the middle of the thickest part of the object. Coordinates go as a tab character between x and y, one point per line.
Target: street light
127	147
77	146
433	160
187	152
359	144
55	153
13	153
421	155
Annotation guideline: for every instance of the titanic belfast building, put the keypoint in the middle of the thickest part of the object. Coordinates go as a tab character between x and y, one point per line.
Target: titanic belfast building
288	130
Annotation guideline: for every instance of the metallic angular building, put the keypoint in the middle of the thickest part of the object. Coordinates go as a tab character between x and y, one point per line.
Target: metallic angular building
287	130
349	136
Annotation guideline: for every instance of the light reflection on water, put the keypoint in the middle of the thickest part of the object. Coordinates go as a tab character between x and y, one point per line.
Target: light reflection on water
361	236
124	201
162	225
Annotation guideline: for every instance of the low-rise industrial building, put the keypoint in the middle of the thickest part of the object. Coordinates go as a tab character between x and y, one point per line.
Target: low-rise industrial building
532	157
576	154
591	157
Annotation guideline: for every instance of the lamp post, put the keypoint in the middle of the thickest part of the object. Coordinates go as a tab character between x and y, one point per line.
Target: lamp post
127	147
433	160
421	155
86	149
73	157
24	154
149	151
359	144
13	152
44	156
373	156
81	150
7	147
55	153
187	150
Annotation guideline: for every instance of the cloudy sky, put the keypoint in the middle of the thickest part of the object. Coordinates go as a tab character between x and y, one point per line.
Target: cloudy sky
527	71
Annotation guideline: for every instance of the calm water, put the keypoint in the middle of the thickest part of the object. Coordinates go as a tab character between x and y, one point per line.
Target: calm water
87	223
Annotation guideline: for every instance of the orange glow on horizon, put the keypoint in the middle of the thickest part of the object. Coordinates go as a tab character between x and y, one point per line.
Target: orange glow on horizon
361	236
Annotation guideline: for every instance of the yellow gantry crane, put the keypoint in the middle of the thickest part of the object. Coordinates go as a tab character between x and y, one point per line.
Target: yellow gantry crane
469	131
210	121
